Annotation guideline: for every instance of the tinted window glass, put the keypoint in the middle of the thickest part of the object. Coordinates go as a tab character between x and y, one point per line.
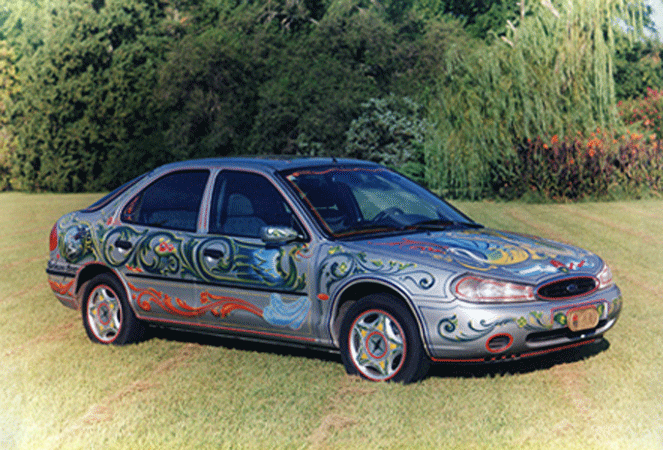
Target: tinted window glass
243	203
172	201
351	200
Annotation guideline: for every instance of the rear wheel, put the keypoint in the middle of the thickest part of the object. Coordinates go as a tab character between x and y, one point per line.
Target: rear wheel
107	317
380	341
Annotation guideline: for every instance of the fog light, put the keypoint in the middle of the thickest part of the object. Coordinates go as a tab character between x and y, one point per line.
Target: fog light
499	343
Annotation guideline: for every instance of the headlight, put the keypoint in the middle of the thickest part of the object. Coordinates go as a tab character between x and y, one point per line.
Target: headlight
605	277
486	290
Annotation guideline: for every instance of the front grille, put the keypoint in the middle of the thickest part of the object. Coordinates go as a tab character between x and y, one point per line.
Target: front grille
568	288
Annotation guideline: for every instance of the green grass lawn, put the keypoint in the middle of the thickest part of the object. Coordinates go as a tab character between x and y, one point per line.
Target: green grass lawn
179	391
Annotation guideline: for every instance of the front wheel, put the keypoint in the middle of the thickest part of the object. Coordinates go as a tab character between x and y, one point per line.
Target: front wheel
107	317
380	341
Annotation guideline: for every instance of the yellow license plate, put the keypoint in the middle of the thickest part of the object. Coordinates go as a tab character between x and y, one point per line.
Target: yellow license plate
582	318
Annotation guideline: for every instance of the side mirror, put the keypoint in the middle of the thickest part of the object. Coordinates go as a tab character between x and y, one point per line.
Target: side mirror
278	235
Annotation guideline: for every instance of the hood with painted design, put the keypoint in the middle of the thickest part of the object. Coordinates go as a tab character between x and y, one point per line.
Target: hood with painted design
497	254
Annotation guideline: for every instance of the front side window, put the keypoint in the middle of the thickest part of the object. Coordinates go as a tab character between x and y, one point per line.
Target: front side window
173	201
243	203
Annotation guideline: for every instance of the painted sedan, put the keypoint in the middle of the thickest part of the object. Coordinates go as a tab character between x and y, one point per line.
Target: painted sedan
337	254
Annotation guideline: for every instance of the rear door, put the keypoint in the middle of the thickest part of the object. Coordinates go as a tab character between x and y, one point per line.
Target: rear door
155	247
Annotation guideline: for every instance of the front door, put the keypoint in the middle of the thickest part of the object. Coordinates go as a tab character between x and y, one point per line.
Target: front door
250	286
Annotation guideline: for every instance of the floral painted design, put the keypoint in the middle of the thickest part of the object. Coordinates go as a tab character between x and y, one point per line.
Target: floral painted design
168	253
278	313
76	244
487	250
61	288
164	248
340	264
450	329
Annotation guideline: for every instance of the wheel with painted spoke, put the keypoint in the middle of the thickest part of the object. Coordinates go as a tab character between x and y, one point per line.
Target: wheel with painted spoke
106	314
376	345
380	341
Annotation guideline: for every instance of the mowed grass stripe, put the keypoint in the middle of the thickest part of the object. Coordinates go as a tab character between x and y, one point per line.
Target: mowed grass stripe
178	391
619	226
60	331
19	294
16	232
628	249
535	227
105	409
16	262
23	244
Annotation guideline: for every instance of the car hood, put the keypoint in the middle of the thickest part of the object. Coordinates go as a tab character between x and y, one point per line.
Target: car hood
499	254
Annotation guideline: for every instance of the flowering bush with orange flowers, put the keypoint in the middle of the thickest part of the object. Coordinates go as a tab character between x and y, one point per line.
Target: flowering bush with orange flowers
598	166
644	114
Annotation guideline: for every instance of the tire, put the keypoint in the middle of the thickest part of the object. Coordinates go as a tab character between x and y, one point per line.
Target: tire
380	341
107	317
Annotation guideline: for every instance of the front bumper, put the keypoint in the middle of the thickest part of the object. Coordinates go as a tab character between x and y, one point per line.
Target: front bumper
466	332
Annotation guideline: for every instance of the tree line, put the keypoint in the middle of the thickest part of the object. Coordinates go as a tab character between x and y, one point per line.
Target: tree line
95	92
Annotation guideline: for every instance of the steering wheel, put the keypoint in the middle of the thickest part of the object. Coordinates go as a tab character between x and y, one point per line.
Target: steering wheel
388	214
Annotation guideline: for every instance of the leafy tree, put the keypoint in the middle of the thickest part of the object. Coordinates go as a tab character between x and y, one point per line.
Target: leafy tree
480	17
310	101
357	51
637	66
8	87
636	18
86	93
209	93
239	80
464	9
111	88
292	15
552	74
306	107
22	23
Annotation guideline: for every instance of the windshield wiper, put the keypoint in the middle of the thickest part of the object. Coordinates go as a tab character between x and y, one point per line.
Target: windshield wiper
441	224
355	231
435	224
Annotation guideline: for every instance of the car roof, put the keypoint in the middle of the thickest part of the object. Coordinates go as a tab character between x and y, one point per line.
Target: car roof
266	164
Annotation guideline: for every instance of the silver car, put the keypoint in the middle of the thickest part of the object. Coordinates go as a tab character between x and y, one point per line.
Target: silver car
335	254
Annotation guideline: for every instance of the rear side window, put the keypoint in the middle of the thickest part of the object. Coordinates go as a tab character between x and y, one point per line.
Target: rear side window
173	201
109	198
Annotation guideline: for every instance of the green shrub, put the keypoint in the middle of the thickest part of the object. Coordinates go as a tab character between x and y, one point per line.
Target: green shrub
390	131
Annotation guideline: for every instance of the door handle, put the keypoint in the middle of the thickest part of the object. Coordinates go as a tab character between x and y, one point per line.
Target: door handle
123	245
213	253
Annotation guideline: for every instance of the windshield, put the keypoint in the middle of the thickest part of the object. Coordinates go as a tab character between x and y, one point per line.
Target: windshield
357	200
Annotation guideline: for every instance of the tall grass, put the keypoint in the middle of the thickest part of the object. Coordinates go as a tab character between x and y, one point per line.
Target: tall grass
178	391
